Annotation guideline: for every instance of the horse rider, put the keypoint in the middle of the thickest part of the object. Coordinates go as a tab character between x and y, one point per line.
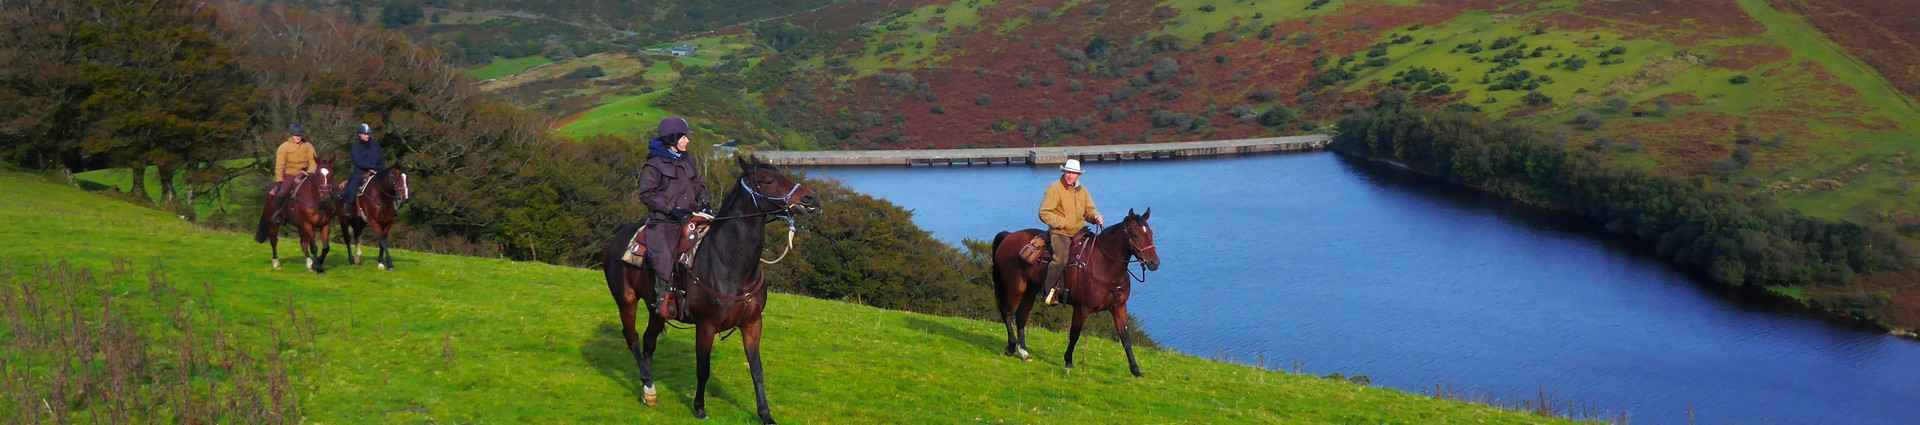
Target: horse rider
367	160
293	160
674	191
1066	209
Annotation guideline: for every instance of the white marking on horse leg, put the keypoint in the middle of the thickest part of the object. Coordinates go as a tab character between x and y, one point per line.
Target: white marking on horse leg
309	263
276	264
648	396
383	266
1022	352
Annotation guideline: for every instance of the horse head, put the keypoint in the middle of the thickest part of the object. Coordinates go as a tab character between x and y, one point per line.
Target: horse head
1140	238
325	172
774	191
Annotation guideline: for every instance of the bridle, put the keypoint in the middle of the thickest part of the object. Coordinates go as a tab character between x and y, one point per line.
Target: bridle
785	212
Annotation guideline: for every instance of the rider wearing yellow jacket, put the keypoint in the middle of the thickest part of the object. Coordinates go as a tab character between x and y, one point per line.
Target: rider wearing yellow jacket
1066	209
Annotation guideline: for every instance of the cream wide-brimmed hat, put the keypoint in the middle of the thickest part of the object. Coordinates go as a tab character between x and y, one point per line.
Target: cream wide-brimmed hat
1072	166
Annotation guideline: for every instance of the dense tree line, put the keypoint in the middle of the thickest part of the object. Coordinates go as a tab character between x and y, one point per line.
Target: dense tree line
1730	237
185	85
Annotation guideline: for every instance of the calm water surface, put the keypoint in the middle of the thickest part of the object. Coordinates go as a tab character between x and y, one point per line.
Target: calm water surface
1312	260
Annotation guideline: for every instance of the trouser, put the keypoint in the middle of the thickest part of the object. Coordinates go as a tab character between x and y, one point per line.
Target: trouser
277	194
353	186
1057	269
663	239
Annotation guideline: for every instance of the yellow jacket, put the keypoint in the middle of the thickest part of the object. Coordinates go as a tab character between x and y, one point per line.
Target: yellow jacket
293	158
1067	209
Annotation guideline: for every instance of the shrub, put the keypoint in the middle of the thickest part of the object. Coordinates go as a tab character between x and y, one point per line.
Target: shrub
586	73
1739	79
983	100
1535	98
1277	116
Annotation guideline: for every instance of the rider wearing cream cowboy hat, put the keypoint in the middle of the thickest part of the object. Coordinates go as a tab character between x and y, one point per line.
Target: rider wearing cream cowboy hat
1066	209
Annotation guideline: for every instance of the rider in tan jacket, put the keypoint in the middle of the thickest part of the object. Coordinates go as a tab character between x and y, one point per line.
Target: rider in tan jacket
1066	209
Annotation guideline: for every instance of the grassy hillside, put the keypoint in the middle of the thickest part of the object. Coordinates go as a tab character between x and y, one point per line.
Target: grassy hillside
505	67
455	339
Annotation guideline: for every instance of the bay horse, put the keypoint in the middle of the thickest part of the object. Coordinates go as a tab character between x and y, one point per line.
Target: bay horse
724	288
309	207
1099	281
377	210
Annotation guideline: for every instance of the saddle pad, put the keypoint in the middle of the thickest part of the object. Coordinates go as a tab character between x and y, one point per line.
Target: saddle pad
636	253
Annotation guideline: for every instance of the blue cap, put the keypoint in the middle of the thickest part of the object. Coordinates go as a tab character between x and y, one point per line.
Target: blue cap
296	129
363	129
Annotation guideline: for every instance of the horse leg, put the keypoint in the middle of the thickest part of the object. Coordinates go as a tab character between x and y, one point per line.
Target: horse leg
1025	312
750	337
346	236
1126	339
1073	333
384	258
274	241
626	300
307	248
703	363
655	325
326	244
1009	303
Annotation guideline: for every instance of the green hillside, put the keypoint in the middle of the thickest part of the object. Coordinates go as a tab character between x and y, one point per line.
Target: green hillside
456	339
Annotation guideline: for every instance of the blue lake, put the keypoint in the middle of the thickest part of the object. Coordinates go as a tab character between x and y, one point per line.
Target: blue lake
1315	262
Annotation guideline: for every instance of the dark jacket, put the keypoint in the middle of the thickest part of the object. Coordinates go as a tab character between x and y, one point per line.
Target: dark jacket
670	181
368	156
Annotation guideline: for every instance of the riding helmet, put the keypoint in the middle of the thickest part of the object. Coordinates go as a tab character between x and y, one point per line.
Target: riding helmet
673	125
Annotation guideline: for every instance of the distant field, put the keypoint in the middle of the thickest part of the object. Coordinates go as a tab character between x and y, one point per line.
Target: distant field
626	115
464	340
501	67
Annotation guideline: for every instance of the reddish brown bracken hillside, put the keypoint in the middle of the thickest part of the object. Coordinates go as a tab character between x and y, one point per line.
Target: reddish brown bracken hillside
1882	33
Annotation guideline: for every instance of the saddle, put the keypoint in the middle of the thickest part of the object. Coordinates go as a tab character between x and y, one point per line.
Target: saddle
1038	250
692	234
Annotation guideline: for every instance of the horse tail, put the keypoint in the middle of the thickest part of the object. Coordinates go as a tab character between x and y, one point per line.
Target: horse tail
260	232
999	288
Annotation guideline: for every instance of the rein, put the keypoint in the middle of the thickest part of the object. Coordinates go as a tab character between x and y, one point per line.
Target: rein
783	213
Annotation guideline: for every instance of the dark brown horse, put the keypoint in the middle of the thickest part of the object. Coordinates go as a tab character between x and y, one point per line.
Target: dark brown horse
1099	281
309	207
725	289
375	210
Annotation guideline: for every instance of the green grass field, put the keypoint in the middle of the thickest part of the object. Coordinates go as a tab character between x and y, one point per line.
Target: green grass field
501	67
465	340
633	115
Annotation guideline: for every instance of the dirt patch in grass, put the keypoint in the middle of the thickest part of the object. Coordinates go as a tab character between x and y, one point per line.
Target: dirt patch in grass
1747	56
1684	22
1686	144
1884	34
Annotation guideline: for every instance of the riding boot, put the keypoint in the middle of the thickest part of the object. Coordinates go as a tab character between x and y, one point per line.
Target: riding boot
1055	272
668	303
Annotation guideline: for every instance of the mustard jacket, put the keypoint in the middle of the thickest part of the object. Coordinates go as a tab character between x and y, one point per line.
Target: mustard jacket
1066	210
292	158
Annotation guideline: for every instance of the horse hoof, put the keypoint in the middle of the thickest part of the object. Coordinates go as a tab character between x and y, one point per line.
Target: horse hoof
384	266
647	396
767	420
1024	356
276	264
700	413
310	264
1068	371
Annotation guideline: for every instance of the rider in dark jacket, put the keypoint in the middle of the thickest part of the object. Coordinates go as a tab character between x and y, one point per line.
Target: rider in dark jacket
367	159
672	188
